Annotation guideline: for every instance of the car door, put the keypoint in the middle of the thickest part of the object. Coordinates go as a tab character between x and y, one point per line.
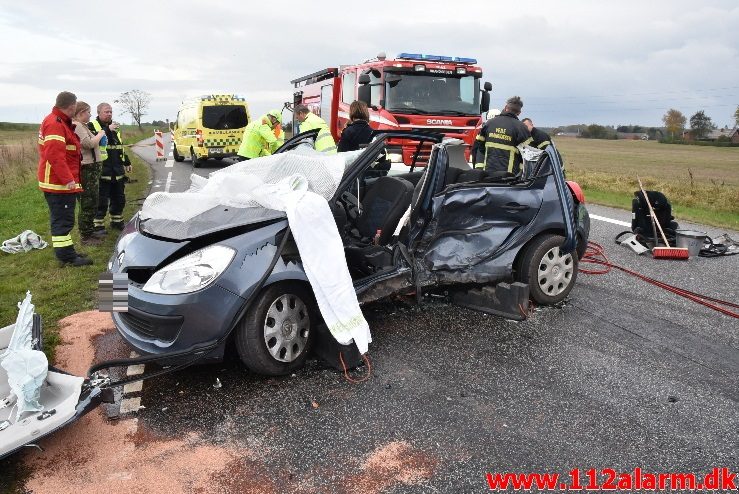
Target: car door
472	223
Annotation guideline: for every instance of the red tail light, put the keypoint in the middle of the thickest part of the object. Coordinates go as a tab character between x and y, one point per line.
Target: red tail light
199	134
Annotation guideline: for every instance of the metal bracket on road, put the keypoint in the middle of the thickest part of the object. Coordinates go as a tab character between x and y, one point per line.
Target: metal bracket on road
631	242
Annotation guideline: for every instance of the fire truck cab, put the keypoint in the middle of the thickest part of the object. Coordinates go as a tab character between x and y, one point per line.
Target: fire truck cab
411	92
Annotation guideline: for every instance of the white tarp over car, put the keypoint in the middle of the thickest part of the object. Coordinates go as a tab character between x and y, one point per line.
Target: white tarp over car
299	183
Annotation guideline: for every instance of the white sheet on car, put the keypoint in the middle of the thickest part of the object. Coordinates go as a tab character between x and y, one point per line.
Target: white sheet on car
299	183
26	368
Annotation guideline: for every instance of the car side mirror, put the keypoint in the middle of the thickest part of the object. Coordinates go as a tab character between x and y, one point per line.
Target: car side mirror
485	102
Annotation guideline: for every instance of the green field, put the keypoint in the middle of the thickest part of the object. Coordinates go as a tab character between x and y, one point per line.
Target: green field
701	182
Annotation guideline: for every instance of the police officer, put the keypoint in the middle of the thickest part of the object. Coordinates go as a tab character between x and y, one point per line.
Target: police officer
115	165
540	138
308	121
59	175
262	137
501	136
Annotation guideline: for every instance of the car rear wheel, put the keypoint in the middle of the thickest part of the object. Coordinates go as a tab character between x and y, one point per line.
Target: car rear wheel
176	155
275	336
219	158
549	272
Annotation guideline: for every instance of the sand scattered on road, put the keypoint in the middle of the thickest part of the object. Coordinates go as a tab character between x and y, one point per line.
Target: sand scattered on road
97	455
394	463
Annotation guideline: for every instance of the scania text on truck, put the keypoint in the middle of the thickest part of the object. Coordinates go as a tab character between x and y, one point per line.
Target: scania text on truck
411	92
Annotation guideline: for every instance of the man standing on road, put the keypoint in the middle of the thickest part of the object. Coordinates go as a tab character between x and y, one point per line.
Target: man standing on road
502	135
262	137
540	138
115	166
59	175
308	121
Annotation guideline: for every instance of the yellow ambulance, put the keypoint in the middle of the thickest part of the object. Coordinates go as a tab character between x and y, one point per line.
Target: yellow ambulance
210	126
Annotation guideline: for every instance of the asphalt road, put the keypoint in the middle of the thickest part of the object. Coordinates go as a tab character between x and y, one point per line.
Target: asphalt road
623	375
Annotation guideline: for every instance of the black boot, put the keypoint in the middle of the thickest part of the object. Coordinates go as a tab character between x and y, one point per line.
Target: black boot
77	262
118	225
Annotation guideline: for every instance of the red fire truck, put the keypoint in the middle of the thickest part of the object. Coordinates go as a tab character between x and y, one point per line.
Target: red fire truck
413	91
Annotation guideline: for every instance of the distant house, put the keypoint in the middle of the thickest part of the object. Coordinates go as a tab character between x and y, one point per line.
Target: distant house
715	135
634	136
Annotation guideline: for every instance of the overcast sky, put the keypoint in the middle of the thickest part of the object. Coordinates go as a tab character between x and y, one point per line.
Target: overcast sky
572	61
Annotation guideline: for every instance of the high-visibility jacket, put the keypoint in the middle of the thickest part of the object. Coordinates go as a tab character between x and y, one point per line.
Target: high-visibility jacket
280	135
259	139
324	141
112	153
59	154
502	135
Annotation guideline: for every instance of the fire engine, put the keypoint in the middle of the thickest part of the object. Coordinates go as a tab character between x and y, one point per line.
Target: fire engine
414	92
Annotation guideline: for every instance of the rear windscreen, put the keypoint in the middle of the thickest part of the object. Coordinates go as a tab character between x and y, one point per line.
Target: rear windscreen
224	117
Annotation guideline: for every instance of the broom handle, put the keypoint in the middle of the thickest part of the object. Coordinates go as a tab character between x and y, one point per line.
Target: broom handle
651	211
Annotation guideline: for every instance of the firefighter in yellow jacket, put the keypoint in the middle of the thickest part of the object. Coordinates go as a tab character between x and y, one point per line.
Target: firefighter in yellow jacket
59	175
308	121
261	137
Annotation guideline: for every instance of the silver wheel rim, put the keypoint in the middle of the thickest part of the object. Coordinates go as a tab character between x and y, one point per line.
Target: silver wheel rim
555	272
286	328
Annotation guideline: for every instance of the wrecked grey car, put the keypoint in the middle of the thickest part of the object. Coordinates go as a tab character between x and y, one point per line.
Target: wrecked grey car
234	276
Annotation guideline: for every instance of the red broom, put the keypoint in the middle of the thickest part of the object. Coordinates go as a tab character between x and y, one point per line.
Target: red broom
663	252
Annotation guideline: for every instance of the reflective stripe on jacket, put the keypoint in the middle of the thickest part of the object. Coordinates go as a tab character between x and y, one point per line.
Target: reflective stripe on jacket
324	141
59	154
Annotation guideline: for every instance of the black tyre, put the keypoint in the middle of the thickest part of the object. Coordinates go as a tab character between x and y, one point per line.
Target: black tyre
549	273
176	155
219	158
276	334
195	161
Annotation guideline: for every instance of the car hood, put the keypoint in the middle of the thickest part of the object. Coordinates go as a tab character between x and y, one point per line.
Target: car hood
214	220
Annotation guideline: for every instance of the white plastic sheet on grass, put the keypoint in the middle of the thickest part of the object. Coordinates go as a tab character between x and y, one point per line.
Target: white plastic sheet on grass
299	183
26	368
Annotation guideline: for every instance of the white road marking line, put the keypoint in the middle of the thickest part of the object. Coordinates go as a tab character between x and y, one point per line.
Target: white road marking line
610	220
169	164
133	387
130	405
169	182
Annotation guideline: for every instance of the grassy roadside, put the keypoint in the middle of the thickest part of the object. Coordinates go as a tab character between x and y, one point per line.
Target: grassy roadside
702	183
57	292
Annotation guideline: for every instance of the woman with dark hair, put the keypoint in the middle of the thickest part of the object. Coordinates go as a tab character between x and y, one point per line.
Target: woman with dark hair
358	131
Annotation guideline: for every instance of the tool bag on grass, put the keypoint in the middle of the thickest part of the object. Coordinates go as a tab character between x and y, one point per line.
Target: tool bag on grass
641	222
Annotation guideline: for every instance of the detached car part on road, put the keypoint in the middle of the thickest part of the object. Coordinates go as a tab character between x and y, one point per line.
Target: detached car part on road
446	227
61	397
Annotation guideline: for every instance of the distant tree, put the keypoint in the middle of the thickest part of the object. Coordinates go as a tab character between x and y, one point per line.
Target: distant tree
637	129
674	120
595	131
135	103
736	116
623	128
701	124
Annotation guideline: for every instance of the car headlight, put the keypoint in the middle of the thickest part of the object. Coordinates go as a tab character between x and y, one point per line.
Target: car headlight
191	273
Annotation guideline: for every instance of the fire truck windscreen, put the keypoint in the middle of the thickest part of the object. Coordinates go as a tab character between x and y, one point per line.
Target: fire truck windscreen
424	93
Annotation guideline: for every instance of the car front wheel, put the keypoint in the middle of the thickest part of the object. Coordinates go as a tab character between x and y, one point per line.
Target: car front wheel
549	272
275	336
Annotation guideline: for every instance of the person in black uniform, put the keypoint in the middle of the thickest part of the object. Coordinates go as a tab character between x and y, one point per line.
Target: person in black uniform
501	136
540	138
112	194
358	131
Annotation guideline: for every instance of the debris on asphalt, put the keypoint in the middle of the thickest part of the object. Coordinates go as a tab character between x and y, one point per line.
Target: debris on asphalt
314	404
218	384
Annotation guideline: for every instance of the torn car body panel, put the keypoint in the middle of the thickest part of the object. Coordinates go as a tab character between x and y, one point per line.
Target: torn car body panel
63	398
